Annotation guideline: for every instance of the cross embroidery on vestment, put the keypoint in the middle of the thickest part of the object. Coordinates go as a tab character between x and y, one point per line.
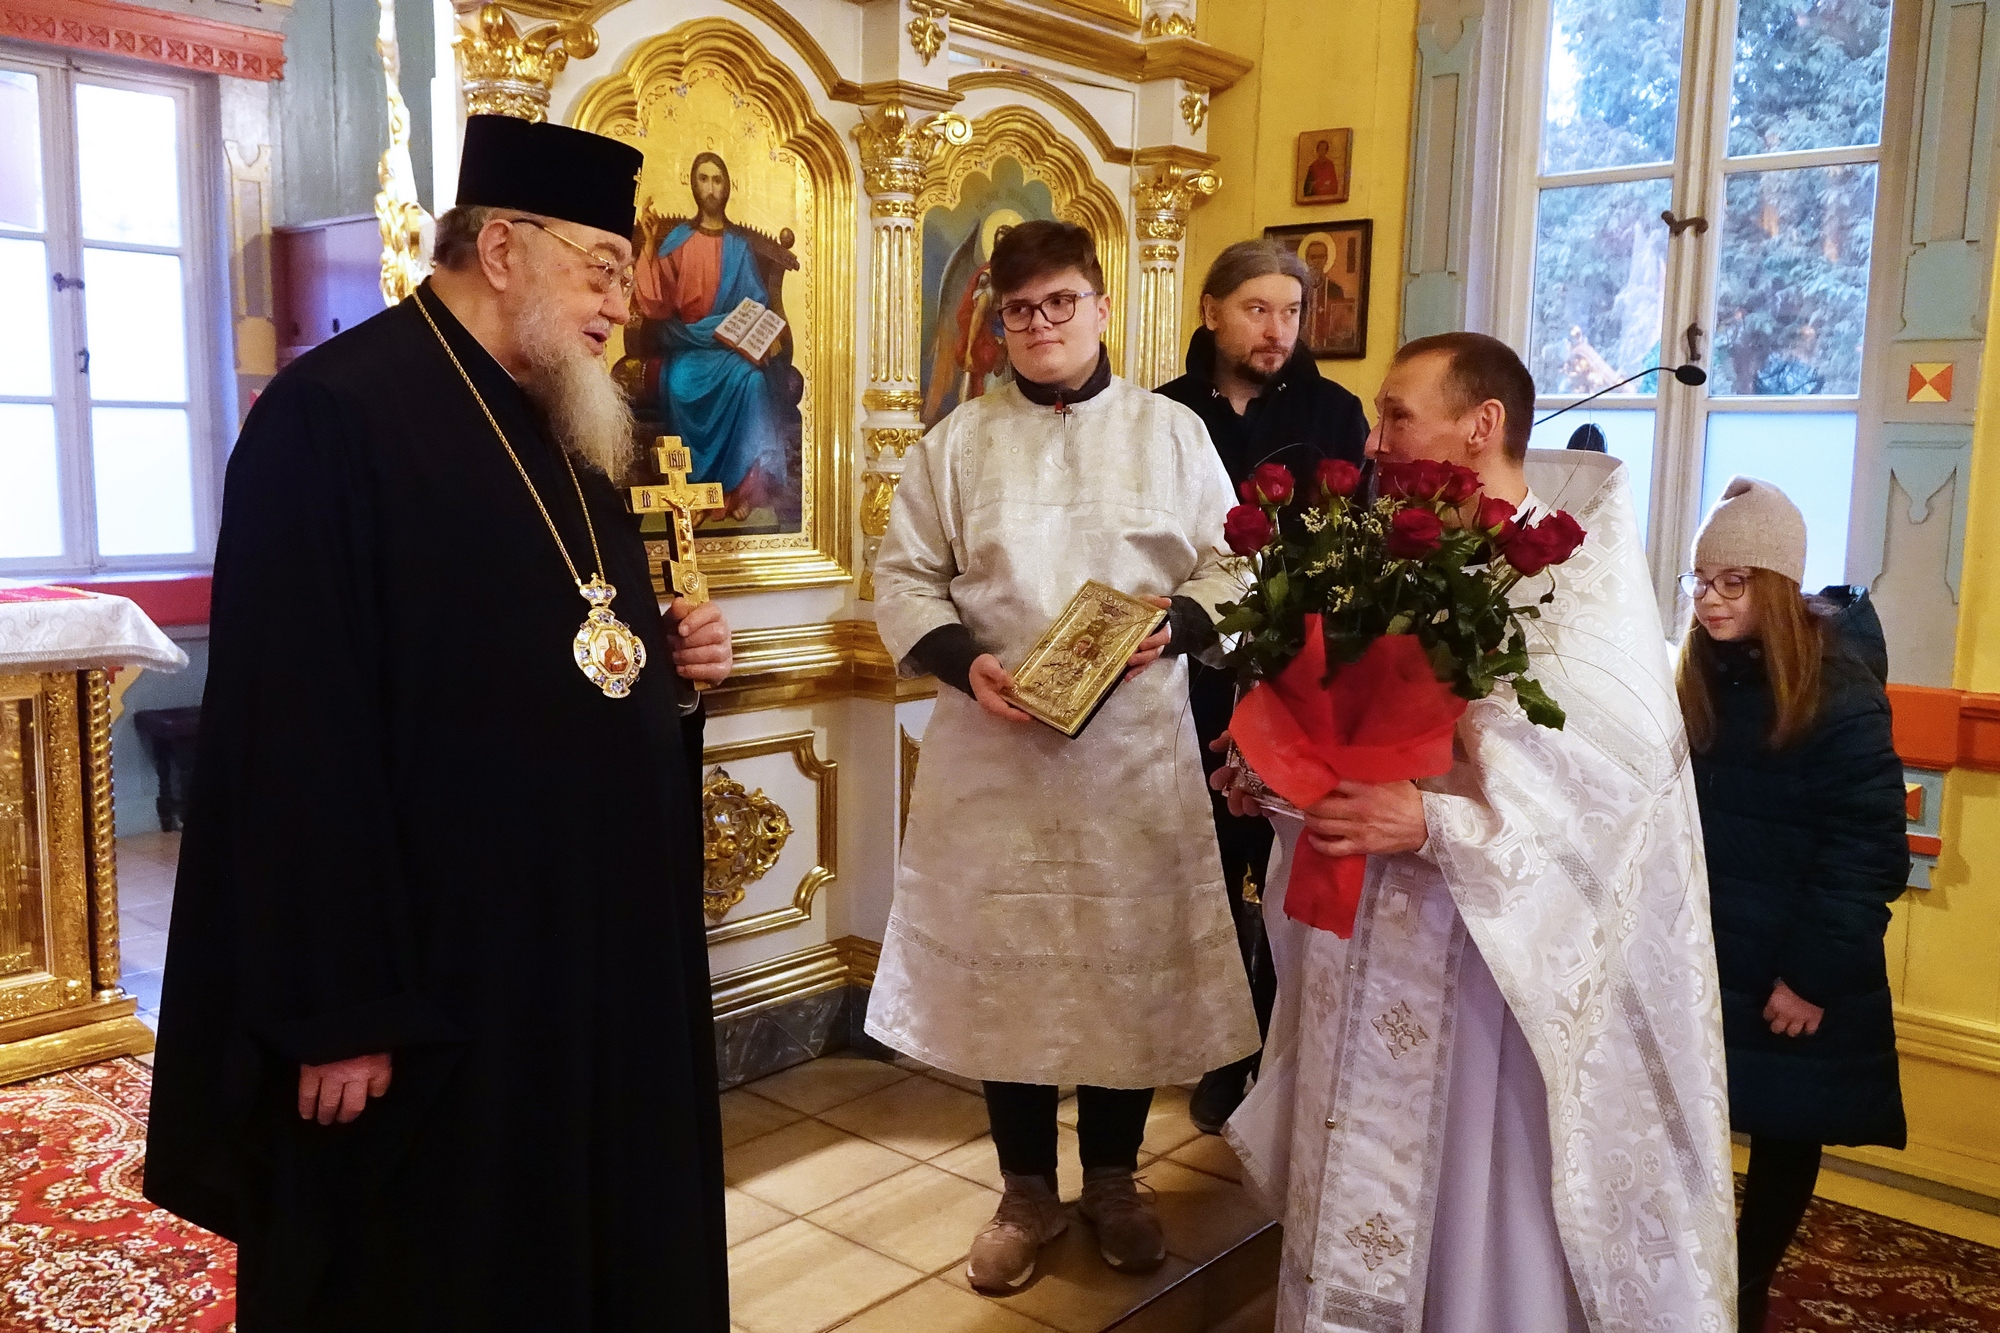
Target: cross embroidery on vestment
1377	1243
1399	1027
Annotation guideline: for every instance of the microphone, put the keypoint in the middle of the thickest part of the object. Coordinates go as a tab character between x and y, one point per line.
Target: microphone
1688	373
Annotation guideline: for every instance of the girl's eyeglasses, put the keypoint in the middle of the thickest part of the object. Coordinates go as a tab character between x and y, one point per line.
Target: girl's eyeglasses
1730	586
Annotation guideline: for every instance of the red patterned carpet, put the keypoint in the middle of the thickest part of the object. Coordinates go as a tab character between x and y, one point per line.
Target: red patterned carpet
80	1250
1856	1272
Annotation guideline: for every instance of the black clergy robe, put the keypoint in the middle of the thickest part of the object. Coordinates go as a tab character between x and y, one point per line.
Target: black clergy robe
417	828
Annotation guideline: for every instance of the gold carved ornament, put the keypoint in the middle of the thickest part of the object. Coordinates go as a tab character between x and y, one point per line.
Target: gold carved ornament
1194	109
397	213
508	72
1167	25
742	834
895	150
741	840
634	103
897	440
1165	198
927	30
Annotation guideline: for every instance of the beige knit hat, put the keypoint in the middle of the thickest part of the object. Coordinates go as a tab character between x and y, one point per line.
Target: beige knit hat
1754	526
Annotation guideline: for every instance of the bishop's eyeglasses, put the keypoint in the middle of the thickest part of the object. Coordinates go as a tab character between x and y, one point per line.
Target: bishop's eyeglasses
1729	585
604	274
1056	308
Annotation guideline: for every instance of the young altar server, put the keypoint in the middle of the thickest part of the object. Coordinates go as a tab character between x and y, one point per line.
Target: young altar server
1059	914
1500	1104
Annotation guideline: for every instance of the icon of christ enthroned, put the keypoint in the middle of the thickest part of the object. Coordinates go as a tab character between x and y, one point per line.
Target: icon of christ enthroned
714	352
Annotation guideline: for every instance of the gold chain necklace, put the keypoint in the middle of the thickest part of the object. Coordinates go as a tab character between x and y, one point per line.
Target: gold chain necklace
606	649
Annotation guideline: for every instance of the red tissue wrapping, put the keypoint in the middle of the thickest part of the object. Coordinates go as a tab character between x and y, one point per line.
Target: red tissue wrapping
1384	717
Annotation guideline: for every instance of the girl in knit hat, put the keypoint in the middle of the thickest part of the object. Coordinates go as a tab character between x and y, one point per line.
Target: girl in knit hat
1802	810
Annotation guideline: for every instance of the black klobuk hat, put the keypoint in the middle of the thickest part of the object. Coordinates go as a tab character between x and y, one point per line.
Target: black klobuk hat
551	170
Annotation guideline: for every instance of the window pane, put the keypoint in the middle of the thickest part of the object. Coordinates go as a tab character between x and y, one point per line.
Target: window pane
1614	83
136	328
1792	293
1600	269
145	487
30	494
1807	455
24	330
1628	435
1809	74
20	151
128	165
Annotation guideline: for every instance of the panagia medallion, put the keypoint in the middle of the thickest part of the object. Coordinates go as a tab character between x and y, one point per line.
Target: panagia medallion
607	651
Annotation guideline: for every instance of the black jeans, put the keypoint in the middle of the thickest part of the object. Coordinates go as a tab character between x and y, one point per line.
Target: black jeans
1110	1122
1776	1190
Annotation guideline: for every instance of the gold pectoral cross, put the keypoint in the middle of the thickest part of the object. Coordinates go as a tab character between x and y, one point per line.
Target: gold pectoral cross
678	501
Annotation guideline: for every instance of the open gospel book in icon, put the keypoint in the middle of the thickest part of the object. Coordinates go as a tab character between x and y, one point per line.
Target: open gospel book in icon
1072	669
752	329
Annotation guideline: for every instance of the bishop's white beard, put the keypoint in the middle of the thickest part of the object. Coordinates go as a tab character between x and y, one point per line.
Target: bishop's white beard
586	412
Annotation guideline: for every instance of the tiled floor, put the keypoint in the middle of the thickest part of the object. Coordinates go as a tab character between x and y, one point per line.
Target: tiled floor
146	864
855	1188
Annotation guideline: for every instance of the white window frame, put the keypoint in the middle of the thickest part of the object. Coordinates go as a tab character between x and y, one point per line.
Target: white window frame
1693	259
205	298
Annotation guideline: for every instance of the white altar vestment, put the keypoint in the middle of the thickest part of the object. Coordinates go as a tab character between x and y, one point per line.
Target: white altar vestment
1569	866
1059	912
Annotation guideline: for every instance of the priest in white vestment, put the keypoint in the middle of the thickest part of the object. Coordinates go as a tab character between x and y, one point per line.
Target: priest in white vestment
1059	913
1500	1105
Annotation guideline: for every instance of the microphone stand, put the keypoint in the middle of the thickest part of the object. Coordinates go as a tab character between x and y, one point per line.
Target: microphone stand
1688	373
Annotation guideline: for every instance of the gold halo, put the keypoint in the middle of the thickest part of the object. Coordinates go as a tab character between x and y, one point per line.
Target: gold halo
998	218
1332	248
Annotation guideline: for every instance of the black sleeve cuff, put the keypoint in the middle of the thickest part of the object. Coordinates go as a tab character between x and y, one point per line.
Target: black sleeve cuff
1193	630
948	653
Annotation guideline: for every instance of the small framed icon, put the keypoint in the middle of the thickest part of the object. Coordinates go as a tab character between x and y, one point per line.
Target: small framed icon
1334	324
1325	167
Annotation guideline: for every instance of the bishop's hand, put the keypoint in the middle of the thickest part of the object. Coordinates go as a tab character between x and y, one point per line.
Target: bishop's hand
701	641
991	685
340	1090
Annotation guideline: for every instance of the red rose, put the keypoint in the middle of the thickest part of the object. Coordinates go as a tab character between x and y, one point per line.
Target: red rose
1414	534
1494	515
1416	479
1271	484
1248	529
1566	535
1530	550
1337	476
1460	484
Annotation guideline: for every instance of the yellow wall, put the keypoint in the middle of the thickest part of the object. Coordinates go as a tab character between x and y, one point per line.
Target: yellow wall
1318	67
1944	949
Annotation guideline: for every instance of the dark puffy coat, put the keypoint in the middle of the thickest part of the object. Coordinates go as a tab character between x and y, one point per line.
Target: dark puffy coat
1807	847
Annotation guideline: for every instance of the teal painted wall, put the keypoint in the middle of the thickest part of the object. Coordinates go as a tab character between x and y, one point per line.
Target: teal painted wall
332	112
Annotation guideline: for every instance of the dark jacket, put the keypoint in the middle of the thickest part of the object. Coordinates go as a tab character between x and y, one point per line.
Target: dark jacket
1807	847
1299	419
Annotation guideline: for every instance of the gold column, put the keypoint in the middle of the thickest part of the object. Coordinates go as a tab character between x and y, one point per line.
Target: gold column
1162	196
101	828
507	72
896	141
397	212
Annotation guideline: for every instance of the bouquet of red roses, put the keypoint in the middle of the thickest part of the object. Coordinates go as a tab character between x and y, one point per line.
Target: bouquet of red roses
1365	628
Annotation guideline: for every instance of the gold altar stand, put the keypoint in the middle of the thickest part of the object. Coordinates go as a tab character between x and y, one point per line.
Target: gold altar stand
60	1004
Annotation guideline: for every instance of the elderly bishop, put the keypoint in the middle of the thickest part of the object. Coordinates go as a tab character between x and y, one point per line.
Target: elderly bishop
1500	1105
435	1040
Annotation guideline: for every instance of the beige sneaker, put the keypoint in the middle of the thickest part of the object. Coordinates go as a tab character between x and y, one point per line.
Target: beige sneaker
1003	1255
1128	1231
